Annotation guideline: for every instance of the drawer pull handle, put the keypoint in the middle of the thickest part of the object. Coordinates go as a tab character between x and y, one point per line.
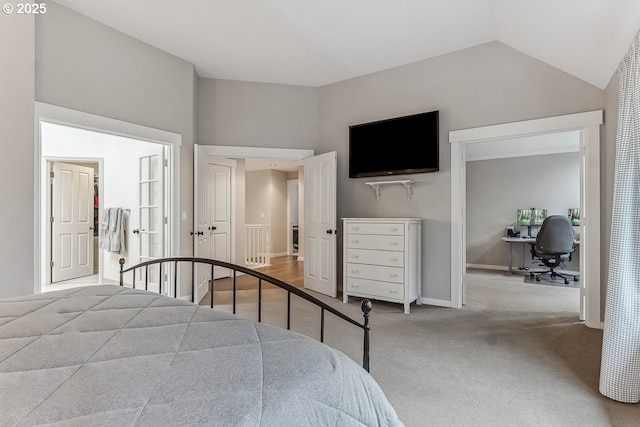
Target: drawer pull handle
355	241
353	270
355	286
394	243
393	291
393	258
394	229
355	256
355	228
393	275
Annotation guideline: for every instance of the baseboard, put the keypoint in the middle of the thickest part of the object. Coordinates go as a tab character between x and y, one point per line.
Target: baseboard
488	267
436	302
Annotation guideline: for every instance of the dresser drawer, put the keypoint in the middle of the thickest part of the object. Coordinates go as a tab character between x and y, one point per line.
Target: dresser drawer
366	256
394	229
375	288
381	259
375	272
370	241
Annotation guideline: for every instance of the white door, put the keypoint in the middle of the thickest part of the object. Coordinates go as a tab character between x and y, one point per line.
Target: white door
151	212
220	215
212	215
201	245
320	223
72	222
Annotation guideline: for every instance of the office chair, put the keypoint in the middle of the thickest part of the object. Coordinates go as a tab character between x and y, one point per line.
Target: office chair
554	245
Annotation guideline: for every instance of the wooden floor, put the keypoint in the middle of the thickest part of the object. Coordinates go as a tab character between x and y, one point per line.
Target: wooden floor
285	268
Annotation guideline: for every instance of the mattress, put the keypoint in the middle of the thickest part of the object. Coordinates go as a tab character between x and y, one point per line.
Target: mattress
107	355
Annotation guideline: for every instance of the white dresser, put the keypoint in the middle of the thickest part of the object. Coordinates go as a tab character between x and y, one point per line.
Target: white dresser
381	259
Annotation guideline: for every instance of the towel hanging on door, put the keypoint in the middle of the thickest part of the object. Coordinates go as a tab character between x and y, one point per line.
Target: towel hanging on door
113	229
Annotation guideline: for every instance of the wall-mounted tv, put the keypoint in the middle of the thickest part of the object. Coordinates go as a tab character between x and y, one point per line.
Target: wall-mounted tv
401	145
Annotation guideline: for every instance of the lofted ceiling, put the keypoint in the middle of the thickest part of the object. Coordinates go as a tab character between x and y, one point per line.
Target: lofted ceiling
319	42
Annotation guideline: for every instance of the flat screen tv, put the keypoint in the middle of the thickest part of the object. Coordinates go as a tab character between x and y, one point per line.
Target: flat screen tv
401	145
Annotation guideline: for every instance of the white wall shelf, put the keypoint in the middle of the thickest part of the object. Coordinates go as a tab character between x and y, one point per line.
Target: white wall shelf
407	183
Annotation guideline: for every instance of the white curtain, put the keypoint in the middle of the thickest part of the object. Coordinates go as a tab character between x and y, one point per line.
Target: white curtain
620	371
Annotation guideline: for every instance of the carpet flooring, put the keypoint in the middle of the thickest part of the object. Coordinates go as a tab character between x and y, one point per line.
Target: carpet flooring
556	281
514	355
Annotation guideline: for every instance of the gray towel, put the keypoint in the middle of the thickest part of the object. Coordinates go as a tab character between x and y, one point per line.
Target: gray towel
113	230
104	241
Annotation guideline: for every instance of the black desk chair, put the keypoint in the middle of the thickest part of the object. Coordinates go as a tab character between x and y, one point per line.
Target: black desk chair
554	245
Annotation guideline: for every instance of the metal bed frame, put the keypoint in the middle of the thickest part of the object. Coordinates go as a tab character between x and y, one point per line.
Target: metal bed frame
175	261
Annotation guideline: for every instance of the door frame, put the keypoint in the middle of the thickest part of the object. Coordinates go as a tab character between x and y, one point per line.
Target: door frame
588	125
241	152
73	118
291	183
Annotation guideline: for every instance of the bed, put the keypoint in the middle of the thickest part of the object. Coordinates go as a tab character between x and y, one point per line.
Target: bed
113	355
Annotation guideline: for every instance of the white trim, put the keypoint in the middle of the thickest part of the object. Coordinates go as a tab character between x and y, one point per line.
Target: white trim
64	116
290	185
436	302
524	153
569	122
257	152
488	267
280	254
588	124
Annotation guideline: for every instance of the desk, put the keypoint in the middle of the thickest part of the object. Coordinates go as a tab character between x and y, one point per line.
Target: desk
512	240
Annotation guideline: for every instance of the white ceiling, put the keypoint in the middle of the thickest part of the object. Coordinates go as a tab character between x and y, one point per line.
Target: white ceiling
284	165
318	42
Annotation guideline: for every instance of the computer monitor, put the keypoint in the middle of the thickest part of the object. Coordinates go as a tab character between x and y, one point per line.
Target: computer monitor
538	216
523	217
530	217
574	216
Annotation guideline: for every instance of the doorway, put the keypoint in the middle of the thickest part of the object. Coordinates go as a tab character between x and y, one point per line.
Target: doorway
318	175
588	126
139	163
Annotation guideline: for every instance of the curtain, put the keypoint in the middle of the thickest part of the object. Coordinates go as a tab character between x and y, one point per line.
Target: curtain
620	370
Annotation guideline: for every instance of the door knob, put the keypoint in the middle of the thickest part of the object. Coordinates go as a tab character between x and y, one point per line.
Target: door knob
329	231
213	227
136	231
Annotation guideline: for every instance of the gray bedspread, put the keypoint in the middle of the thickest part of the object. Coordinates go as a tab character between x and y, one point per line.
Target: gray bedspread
106	355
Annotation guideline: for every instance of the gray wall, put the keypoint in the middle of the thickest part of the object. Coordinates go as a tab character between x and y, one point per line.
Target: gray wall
87	66
497	188
257	115
266	194
484	85
17	77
